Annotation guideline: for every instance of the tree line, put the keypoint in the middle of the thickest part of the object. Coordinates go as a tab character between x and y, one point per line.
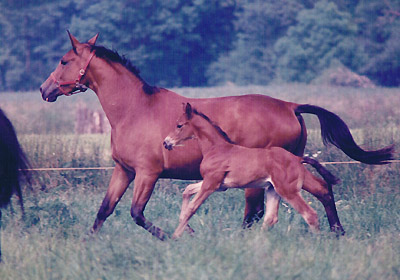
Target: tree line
206	42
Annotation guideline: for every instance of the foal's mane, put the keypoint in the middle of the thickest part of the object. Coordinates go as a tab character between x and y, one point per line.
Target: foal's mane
114	56
219	129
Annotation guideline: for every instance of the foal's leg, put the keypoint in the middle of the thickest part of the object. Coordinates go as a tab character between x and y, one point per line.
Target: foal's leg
207	188
323	192
186	195
120	181
308	213
292	195
254	209
272	206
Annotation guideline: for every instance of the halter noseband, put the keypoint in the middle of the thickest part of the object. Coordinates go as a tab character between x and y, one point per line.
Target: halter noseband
78	86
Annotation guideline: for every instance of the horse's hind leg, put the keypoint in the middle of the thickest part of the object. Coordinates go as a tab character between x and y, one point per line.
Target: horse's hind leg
323	192
254	208
119	183
271	209
300	205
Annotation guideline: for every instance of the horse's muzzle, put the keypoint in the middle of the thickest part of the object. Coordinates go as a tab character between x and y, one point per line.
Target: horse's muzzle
168	144
49	91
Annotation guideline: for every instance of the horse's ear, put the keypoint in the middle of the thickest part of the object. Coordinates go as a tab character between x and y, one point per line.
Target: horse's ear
94	39
188	111
74	41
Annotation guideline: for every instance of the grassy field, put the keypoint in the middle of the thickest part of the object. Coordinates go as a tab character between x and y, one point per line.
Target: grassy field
52	240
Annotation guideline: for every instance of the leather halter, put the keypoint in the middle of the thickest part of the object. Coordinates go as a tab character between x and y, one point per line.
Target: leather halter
77	82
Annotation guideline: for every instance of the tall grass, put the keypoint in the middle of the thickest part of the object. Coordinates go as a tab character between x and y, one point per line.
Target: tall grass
52	240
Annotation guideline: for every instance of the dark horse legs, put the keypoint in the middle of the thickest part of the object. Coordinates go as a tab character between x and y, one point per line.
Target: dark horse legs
120	181
254	209
144	186
143	189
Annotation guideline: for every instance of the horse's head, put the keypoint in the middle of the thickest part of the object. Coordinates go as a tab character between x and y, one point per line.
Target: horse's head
183	130
69	76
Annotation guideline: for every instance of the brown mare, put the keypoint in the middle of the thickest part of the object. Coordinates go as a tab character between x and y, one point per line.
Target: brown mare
141	116
227	165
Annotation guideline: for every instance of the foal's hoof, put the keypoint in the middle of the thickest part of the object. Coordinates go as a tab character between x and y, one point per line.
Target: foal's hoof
189	230
174	237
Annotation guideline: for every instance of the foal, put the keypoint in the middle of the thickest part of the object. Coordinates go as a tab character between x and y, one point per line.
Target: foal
226	165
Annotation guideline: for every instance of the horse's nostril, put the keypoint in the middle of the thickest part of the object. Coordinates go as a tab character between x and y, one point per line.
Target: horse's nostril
41	91
167	146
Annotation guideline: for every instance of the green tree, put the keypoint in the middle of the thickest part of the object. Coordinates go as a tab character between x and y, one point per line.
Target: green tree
379	28
7	58
172	42
252	60
323	34
31	41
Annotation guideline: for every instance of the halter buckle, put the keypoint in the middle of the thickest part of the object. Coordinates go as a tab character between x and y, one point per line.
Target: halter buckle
78	86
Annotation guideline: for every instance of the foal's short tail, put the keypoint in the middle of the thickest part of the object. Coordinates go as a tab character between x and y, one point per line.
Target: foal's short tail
336	132
325	173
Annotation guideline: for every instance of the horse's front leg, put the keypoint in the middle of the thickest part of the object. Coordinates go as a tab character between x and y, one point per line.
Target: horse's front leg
143	188
186	195
206	189
120	181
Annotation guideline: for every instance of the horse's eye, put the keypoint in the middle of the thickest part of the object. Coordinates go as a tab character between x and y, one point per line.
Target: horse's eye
63	62
179	126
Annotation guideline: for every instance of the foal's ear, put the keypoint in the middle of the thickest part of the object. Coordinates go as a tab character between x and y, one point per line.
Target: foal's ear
74	41
94	39
188	111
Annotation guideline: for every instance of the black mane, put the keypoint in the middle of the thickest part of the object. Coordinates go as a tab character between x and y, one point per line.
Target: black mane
103	52
219	130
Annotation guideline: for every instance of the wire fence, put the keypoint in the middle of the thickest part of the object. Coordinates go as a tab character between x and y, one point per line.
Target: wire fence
112	167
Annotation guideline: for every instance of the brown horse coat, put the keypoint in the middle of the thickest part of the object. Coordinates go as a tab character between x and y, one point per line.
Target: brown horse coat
227	165
142	115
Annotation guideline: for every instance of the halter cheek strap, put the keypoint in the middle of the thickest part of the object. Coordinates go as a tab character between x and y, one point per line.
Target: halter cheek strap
77	82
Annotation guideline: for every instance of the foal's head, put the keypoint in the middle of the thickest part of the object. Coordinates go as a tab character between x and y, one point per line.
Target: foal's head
193	124
183	130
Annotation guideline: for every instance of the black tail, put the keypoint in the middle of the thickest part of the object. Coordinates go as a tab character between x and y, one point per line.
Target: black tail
13	163
336	132
325	173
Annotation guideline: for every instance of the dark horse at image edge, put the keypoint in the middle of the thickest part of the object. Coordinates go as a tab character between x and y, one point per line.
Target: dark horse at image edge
13	163
141	116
